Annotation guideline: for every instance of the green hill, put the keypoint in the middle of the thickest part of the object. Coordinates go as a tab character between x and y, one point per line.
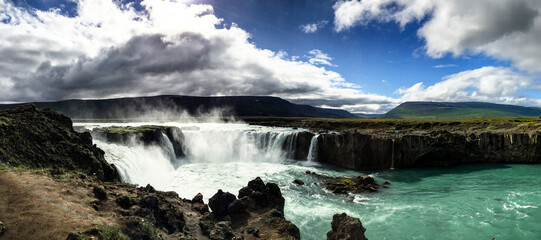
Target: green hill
119	108
450	110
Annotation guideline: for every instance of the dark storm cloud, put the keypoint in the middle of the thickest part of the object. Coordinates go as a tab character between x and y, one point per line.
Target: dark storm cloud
189	64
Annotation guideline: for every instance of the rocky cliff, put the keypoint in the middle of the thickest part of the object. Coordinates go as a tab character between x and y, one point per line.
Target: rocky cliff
359	151
34	138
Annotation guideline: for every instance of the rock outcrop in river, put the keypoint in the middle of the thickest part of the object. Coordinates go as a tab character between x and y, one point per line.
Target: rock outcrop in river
359	151
345	227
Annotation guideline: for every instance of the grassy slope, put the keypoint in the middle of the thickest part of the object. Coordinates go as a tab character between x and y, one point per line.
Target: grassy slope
429	110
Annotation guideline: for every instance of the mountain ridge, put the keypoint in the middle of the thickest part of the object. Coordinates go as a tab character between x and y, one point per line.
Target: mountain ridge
133	107
451	110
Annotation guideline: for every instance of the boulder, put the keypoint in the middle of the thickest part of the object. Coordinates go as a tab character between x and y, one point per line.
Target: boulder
99	193
298	182
345	227
219	204
199	205
258	196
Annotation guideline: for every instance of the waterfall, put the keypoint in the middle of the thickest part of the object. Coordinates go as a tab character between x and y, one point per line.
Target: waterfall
291	145
222	145
204	145
168	146
392	156
312	151
139	164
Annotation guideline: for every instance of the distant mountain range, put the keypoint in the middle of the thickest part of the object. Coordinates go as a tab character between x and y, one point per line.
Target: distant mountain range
231	106
450	110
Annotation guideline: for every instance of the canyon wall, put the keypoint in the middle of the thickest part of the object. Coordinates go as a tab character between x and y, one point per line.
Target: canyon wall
359	151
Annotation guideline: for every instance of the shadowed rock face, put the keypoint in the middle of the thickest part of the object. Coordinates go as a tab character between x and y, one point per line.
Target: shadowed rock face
300	144
439	148
345	227
355	151
45	139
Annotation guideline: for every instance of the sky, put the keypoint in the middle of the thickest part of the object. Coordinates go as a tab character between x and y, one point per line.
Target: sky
362	56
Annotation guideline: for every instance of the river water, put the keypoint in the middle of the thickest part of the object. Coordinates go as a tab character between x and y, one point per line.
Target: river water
501	201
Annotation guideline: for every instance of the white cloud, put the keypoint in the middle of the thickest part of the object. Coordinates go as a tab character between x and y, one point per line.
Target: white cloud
487	84
504	29
445	65
111	50
317	57
313	27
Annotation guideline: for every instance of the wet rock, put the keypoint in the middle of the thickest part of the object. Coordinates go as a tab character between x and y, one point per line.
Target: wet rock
298	182
367	179
99	193
257	196
351	185
345	227
219	204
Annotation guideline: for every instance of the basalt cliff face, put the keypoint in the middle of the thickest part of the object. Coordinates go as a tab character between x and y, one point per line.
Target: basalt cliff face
359	151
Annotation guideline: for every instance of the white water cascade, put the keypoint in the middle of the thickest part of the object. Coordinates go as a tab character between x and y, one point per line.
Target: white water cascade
209	148
312	151
291	145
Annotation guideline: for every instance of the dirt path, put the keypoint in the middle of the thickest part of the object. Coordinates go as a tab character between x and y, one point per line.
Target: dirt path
34	206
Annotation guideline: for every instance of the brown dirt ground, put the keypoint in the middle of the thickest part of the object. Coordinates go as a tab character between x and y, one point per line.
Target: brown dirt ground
36	206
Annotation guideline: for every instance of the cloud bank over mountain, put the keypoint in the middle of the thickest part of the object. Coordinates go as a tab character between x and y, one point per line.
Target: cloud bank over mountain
108	49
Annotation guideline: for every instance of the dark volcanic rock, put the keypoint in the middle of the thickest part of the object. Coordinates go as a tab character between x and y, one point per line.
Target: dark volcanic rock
219	204
354	185
257	196
359	151
355	151
199	205
45	139
298	182
298	143
345	227
162	208
260	206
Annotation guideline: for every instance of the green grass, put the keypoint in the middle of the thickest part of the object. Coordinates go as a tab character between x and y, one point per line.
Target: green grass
442	110
112	233
385	124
